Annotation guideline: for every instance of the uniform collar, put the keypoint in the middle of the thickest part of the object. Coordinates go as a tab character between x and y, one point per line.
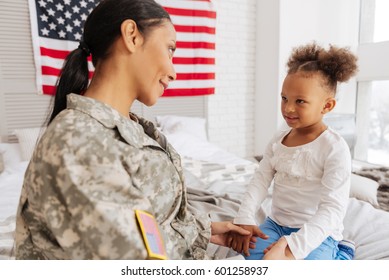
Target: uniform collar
136	131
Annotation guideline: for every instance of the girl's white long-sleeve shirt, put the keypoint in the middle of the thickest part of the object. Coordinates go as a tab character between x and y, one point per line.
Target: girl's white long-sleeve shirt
311	189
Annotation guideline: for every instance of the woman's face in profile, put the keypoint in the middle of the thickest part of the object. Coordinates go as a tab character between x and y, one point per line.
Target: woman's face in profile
156	68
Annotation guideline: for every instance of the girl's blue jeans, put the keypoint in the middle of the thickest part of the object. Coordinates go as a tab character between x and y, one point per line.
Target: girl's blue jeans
328	250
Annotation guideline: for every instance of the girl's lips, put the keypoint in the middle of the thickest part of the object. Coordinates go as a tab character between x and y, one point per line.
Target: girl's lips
287	118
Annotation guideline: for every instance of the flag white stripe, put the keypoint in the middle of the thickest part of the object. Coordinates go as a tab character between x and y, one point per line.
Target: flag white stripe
58	63
195	37
191	5
181	52
192	84
194	68
58	44
193	21
49	80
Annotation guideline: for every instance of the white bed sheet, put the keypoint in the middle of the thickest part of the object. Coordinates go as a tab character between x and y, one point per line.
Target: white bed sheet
209	170
368	227
10	187
11	181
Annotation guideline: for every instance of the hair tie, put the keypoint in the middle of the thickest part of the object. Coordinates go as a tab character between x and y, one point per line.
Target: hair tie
84	47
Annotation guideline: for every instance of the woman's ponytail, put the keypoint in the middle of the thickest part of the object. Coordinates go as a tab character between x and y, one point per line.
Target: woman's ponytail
74	78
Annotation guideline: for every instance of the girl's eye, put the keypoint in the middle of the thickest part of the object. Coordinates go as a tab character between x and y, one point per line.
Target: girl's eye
283	98
299	101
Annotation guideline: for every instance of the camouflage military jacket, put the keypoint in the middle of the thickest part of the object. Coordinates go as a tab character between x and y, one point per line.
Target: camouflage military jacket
90	171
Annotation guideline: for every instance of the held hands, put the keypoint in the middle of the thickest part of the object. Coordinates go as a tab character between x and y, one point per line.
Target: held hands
220	232
279	251
242	243
242	237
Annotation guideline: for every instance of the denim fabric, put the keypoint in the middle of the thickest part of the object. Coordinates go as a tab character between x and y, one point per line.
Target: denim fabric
328	250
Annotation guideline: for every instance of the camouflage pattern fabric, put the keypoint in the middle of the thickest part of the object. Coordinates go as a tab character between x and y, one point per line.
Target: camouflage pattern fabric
90	170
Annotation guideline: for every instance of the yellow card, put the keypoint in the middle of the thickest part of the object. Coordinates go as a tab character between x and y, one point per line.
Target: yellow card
152	237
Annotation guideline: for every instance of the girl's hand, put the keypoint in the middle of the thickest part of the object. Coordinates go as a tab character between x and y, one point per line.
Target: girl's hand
221	231
243	243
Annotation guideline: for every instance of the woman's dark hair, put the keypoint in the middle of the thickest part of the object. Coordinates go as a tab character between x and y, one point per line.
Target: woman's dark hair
101	30
335	64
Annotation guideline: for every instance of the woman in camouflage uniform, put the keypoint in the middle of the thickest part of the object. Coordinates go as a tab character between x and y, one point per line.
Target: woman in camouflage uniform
97	163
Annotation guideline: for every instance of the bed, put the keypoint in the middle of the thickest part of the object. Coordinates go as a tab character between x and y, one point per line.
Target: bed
216	181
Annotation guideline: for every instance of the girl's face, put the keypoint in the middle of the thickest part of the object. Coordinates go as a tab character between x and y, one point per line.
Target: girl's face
304	100
155	64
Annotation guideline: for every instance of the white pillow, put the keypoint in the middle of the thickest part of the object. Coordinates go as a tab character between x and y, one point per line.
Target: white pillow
193	125
28	137
188	146
11	154
364	188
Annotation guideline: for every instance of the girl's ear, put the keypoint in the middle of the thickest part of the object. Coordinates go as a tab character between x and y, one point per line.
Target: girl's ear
131	35
329	105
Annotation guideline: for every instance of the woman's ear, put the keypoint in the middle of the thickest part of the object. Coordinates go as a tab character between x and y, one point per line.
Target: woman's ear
329	105
131	35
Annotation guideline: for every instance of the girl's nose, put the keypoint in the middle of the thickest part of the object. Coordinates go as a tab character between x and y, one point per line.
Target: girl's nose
289	108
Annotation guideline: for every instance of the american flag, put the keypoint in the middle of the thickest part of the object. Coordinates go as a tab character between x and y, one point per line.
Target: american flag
57	27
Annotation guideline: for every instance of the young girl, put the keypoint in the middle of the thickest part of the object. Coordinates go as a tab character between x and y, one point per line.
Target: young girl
310	164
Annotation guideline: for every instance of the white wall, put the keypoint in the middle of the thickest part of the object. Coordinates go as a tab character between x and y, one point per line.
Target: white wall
289	24
231	108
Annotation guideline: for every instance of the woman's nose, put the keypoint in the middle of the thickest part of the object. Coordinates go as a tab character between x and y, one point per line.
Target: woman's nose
172	75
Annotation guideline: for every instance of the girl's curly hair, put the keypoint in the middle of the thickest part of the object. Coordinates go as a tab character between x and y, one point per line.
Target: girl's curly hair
335	64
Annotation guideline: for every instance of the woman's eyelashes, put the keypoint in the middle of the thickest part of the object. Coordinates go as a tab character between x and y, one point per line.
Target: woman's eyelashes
172	49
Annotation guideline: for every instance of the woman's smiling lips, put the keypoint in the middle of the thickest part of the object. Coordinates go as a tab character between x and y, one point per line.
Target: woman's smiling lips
165	85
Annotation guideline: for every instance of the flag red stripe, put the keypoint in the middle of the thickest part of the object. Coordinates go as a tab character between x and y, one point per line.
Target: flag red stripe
190	13
195	45
51	71
188	91
47	70
193	60
48	89
195	76
195	29
54	53
169	92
